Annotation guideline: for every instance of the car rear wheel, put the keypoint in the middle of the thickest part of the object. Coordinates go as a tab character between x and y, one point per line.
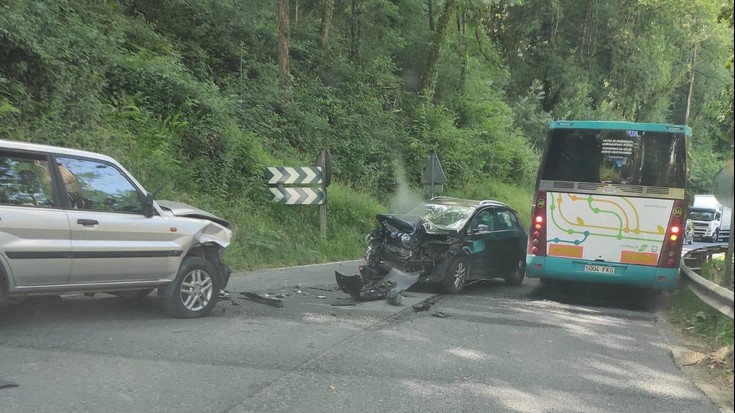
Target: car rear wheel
518	274
456	276
196	290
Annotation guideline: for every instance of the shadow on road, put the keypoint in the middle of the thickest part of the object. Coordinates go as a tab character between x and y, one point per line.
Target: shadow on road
52	309
601	295
571	293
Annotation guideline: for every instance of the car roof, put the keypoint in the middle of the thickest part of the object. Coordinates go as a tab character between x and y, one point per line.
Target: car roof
446	200
34	147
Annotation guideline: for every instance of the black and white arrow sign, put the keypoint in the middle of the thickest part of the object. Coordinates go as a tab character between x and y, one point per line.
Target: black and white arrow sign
308	175
299	196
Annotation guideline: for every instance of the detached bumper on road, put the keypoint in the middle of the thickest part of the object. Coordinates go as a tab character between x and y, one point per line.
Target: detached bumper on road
370	285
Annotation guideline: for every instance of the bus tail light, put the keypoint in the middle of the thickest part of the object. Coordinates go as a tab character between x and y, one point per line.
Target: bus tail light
537	234
673	241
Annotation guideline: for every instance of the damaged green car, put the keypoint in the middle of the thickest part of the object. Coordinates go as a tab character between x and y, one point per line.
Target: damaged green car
445	240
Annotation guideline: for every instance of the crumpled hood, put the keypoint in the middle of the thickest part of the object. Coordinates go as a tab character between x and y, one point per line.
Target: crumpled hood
402	223
409	224
181	209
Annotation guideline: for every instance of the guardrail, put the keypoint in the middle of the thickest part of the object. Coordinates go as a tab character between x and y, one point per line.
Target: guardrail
717	297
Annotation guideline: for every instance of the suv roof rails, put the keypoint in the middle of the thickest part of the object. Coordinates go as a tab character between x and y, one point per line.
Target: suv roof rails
491	202
443	197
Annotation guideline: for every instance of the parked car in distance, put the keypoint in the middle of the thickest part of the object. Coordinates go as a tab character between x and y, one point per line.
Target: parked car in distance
444	240
75	221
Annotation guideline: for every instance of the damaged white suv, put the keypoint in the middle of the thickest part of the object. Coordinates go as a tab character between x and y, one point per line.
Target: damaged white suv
76	221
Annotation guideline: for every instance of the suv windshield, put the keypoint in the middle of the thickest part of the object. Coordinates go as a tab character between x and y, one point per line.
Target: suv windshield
452	217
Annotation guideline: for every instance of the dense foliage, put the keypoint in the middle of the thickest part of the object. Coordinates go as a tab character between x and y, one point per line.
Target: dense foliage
193	97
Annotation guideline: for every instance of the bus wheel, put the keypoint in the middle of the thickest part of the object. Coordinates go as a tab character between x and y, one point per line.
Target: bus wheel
519	272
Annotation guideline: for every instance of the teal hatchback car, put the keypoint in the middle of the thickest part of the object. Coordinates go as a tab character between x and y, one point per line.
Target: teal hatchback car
444	240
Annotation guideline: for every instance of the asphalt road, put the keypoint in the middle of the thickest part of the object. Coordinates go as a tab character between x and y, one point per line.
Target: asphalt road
698	244
493	348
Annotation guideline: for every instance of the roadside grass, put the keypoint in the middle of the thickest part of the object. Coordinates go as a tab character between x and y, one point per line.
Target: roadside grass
697	317
270	235
518	197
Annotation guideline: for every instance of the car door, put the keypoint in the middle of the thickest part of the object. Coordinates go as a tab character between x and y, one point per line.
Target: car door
34	231
481	241
510	240
111	238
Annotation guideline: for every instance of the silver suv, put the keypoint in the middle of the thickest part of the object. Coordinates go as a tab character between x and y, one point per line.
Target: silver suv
76	221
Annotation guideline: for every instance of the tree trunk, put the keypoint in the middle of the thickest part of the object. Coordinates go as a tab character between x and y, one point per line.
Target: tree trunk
430	4
296	13
283	34
327	12
588	32
551	93
428	83
462	50
355	31
692	65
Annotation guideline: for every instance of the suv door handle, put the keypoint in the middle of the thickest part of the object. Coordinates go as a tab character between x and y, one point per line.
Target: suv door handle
87	222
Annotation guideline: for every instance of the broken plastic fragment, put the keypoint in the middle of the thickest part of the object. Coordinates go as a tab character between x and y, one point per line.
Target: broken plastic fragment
263	300
367	286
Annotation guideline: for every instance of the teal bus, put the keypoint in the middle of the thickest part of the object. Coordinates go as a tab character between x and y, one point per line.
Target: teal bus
610	204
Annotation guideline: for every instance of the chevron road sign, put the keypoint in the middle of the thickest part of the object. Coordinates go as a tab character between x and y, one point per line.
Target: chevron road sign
299	196
286	175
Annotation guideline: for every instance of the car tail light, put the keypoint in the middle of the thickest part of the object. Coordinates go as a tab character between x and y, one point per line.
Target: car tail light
673	241
537	234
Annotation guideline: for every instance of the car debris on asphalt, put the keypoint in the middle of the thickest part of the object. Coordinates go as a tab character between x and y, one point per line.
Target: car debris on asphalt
424	306
275	302
390	287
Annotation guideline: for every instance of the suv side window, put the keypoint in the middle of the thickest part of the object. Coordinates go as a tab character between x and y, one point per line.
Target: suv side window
484	217
504	220
98	186
25	180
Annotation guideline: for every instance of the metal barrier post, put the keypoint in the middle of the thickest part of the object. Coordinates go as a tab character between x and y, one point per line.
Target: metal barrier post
727	277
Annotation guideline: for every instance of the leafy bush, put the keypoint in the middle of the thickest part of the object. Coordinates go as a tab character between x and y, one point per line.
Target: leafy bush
701	319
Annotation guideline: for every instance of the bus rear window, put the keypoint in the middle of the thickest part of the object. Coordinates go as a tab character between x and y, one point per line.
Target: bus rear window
616	157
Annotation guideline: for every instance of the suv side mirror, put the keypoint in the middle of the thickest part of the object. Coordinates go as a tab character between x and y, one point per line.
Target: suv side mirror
482	228
148	205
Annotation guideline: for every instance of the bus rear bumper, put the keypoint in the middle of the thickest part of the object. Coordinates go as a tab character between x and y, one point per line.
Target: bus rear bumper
625	274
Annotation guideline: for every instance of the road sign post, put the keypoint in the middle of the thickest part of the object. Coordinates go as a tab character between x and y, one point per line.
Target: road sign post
722	188
433	177
324	161
303	185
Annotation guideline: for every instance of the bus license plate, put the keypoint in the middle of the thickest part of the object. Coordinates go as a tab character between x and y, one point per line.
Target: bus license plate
599	268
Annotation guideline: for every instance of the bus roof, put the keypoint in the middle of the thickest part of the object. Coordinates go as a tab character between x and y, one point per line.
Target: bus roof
594	124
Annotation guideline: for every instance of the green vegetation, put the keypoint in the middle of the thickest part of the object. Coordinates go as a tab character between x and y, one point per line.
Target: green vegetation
699	318
196	98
